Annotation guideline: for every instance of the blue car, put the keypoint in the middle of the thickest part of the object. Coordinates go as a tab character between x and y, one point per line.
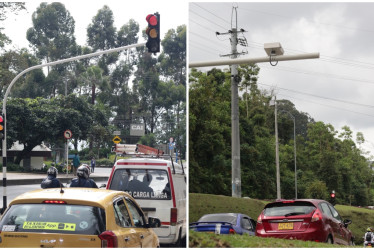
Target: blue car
225	223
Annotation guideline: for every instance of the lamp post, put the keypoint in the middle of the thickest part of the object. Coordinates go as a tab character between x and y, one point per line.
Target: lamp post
294	146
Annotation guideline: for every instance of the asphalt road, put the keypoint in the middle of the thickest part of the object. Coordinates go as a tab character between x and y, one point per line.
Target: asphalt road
15	190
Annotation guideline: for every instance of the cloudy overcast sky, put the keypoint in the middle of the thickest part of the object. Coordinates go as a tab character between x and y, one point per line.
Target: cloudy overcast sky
337	88
83	12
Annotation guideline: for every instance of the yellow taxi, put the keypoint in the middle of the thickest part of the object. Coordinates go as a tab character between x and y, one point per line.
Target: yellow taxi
76	217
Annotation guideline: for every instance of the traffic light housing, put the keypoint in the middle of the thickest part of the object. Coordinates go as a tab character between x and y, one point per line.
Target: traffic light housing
153	33
332	197
2	126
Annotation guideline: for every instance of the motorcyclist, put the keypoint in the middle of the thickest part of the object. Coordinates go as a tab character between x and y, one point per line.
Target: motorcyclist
368	237
51	181
83	173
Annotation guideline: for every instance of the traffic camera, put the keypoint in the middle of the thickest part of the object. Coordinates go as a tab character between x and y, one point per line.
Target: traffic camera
153	33
2	126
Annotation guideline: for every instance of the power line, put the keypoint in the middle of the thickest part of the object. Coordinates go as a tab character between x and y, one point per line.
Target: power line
322	97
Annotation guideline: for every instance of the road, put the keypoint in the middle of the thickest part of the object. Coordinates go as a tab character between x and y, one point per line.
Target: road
14	191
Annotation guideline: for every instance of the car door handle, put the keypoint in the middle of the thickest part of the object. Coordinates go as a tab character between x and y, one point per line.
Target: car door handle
127	239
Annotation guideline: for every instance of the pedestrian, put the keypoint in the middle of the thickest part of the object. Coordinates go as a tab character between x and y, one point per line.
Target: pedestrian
93	163
76	163
51	181
83	173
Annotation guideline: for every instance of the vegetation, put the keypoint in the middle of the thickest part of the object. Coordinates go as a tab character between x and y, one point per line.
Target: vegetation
327	159
96	96
200	204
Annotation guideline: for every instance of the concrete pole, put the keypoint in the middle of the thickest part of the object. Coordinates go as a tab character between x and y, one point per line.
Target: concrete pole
235	133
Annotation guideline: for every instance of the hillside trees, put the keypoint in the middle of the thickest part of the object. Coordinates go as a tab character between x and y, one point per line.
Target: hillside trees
326	158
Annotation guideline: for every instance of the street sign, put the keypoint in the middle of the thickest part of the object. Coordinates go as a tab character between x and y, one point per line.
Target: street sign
68	134
116	132
116	140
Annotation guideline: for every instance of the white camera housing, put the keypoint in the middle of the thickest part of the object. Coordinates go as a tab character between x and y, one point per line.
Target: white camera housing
273	49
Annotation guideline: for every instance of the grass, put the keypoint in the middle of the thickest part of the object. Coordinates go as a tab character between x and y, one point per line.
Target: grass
200	240
200	204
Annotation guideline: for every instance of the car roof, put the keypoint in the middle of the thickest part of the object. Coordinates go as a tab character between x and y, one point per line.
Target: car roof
148	163
81	196
232	214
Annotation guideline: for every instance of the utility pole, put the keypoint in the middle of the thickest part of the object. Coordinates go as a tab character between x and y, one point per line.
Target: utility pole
235	132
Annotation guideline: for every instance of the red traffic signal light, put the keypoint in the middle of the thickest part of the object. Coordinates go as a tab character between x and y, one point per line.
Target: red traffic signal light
153	33
332	195
2	126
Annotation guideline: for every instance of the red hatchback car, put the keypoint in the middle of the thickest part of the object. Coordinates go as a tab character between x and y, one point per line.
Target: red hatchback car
314	220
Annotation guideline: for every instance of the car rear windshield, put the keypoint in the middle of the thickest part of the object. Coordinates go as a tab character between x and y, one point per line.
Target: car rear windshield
142	183
230	218
288	209
54	218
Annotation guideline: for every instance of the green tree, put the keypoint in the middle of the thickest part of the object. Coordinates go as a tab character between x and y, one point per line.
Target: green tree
52	38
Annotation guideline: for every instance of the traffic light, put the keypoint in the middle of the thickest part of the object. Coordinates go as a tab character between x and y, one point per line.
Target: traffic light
153	33
332	197
2	126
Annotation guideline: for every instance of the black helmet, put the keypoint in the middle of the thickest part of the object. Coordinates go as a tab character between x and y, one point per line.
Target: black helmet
52	171
83	172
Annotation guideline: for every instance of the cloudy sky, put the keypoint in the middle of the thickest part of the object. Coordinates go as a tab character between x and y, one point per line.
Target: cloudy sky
83	12
337	88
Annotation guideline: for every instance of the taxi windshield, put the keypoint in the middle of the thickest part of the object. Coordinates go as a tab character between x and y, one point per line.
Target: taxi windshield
142	183
54	218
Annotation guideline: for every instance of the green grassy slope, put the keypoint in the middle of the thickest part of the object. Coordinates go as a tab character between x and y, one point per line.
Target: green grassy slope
200	204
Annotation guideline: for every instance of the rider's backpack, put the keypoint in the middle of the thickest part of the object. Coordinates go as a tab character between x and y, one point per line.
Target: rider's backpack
368	236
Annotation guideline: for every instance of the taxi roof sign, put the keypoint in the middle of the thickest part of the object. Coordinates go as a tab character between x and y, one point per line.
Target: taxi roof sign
116	140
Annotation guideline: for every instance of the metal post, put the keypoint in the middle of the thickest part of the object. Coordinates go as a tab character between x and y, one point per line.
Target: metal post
277	150
4	147
294	146
235	133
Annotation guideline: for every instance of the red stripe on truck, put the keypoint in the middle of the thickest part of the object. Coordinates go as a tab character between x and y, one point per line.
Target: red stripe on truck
142	163
172	187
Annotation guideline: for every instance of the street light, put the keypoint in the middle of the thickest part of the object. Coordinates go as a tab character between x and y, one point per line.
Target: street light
294	146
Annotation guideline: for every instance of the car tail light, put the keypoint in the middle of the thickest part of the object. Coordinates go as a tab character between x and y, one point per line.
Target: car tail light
108	239
288	201
173	216
232	231
259	219
54	202
316	216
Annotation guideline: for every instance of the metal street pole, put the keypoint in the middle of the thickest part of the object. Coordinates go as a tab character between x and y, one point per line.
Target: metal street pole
4	147
277	150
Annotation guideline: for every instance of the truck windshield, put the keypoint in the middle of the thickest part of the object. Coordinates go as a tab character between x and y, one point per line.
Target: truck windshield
142	183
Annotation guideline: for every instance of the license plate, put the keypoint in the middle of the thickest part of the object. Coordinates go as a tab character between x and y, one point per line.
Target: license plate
285	226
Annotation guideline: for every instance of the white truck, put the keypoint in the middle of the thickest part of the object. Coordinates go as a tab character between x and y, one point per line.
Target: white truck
158	184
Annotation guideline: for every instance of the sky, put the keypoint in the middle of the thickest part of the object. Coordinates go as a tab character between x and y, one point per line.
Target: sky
83	11
336	89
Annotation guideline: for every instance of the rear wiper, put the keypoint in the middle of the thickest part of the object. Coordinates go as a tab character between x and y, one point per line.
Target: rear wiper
294	213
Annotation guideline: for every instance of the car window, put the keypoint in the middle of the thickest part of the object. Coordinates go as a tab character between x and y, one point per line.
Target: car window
335	213
122	216
137	215
230	218
54	218
288	209
326	210
142	183
246	224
